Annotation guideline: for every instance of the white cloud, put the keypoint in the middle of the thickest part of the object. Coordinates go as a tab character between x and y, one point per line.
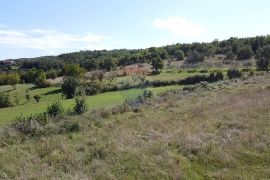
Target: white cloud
46	39
180	26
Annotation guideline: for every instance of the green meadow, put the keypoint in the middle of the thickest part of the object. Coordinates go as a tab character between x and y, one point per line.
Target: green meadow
52	94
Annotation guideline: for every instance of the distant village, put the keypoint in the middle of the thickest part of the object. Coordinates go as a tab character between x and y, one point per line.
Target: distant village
7	62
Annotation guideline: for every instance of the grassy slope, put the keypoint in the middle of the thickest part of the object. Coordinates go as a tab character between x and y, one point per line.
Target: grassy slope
52	94
223	134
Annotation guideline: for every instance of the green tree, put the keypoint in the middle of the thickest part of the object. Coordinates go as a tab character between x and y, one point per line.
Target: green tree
179	55
73	70
263	58
244	52
70	86
51	74
80	105
109	64
157	63
12	79
234	73
194	57
230	56
40	77
55	109
5	100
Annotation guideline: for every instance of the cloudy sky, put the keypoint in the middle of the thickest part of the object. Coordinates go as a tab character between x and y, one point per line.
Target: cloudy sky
30	28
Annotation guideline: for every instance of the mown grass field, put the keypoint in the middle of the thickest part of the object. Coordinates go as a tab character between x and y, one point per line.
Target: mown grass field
218	132
52	94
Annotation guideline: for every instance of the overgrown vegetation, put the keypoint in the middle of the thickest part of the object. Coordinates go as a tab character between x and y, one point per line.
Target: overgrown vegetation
209	132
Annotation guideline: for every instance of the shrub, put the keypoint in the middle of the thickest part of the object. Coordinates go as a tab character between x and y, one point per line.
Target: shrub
56	109
80	105
251	73
37	98
189	88
44	84
263	58
213	77
51	74
234	73
191	71
12	79
31	125
5	100
244	53
194	57
194	79
157	63
70	86
203	71
73	70
179	55
27	96
148	94
92	88
230	56
71	126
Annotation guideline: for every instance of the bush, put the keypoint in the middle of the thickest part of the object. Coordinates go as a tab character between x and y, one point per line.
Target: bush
92	88
73	70
80	105
189	88
179	55
230	56
51	74
244	53
251	73
194	57
157	63
71	126
9	79
263	58
234	73
5	100
27	96
191	71
30	126
213	77
148	94
70	86
203	71
194	79
37	98
56	109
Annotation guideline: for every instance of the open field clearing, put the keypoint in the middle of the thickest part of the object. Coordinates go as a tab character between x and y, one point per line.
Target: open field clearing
52	94
220	131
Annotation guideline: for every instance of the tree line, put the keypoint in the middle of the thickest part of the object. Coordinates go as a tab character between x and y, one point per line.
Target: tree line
241	48
35	70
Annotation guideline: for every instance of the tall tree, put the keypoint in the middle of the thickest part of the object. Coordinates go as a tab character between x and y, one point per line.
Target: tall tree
263	58
157	63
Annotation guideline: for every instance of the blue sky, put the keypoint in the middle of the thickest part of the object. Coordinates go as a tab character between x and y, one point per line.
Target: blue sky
30	28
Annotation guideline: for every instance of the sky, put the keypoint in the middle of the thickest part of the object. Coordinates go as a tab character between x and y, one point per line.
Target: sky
31	28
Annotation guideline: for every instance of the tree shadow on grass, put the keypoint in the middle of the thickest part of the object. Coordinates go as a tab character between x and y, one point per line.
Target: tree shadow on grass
57	91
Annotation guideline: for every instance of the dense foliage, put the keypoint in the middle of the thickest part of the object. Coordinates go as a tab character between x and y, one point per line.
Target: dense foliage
70	86
243	48
263	58
234	73
5	100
